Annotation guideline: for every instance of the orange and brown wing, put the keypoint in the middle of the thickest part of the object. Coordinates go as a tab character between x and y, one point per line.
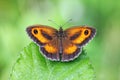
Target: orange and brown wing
41	34
46	38
74	40
80	35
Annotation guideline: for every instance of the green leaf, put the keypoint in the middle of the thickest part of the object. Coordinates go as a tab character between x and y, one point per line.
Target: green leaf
31	65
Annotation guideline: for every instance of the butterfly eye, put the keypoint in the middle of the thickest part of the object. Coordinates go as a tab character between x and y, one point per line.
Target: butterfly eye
35	31
86	32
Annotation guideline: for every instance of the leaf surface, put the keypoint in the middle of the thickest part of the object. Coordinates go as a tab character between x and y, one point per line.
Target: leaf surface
31	65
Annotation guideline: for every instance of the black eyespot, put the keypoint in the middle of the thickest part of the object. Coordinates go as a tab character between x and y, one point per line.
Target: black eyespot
86	32
35	31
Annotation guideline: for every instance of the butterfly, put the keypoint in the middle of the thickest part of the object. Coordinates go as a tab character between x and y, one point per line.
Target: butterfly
61	45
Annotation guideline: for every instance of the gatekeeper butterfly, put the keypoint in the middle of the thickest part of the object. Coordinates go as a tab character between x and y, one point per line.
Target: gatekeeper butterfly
61	45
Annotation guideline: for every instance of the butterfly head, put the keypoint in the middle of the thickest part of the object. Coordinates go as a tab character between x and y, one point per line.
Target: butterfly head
60	29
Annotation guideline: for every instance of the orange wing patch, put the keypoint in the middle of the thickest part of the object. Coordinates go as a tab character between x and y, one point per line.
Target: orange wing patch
70	49
41	34
82	36
78	34
51	49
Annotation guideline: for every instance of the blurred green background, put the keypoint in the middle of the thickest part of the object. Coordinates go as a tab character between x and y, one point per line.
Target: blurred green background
104	15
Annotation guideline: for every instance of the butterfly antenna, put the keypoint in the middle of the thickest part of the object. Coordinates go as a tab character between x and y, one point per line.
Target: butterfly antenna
53	22
67	22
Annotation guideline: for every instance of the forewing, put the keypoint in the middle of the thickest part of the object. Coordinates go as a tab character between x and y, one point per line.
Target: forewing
80	35
46	38
41	34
